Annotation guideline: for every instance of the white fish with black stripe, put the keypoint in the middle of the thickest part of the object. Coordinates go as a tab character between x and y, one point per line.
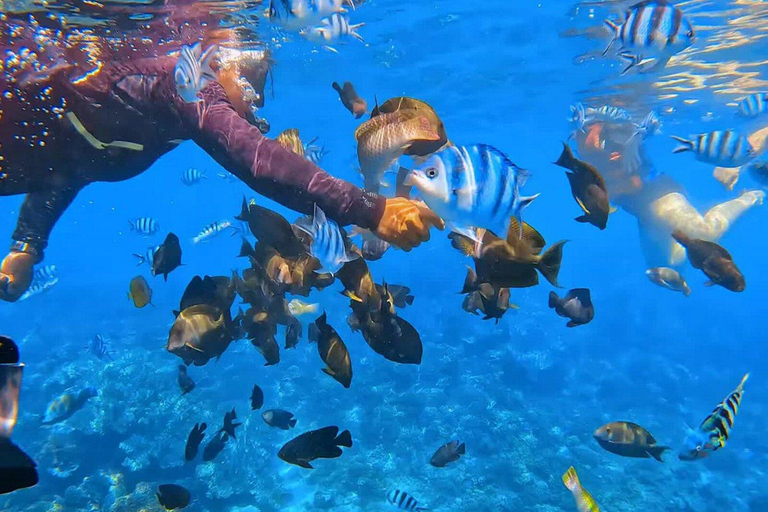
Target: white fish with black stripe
332	29
38	288
329	244
193	176
145	225
213	229
45	273
581	115
314	152
724	148
148	257
650	126
651	29
401	500
193	72
754	105
99	347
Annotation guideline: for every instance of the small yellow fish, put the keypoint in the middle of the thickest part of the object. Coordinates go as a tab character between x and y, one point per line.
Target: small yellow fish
140	292
298	308
584	501
291	141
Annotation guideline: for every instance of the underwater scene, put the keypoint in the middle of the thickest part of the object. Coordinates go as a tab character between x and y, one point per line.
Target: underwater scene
347	255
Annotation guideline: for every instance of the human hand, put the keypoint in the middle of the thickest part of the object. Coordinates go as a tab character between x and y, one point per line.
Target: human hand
16	275
406	223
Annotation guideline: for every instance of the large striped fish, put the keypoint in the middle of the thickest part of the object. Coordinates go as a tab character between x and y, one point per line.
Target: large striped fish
329	244
725	148
404	501
754	105
652	29
193	71
715	430
475	186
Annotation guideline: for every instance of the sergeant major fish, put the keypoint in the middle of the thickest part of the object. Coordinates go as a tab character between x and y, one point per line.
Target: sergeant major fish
754	105
38	288
722	148
584	501
404	501
332	29
581	115
193	71
192	176
148	257
44	273
715	430
329	244
99	347
145	225
213	229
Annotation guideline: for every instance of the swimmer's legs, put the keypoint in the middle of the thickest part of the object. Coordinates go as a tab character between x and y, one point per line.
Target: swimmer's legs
720	217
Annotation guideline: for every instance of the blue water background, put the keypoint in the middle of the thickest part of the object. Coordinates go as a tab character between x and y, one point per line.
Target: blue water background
525	395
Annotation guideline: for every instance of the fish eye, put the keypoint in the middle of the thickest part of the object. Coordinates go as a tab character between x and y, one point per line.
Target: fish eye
607	430
698	448
690	34
431	172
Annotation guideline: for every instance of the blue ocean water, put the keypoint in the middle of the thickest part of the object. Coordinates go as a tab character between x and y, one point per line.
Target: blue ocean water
525	394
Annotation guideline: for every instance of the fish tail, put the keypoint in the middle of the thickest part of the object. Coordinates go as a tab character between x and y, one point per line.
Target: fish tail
206	72
462	449
657	451
553	300
353	31
566	159
344	439
549	264
133	225
292	422
685	145
571	480
244	211
632	59
681	237
744	379
336	86
615	31
142	259
470	282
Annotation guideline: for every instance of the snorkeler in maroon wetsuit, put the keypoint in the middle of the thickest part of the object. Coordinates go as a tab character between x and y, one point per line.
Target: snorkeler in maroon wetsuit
113	113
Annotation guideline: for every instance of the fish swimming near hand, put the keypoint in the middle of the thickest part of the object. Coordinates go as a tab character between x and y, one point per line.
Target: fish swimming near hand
99	348
332	351
168	257
373	248
278	418
383	139
173	497
215	446
193	72
194	439
651	29
329	245
668	278
230	424
186	384
257	397
588	189
712	259
629	440
448	453
404	501
192	176
725	148
213	229
291	141
145	225
272	229
351	100
323	443
576	306
715	430
584	501
754	105
140	292
64	406
419	148
472	186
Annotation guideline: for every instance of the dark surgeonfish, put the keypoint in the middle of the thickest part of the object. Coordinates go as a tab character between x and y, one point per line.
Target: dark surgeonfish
292	334
712	259
260	330
215	446
332	351
492	301
715	430
576	306
400	295
229	423
257	397
64	406
167	258
173	497
349	97
588	189
629	440
186	384
323	443
278	418
449	452
194	439
271	228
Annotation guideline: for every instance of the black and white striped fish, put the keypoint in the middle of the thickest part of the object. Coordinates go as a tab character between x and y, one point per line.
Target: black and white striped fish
313	152
725	148
214	229
329	244
333	29
99	347
38	288
44	273
145	225
754	105
652	29
148	257
581	115
650	126
193	71
193	176
403	501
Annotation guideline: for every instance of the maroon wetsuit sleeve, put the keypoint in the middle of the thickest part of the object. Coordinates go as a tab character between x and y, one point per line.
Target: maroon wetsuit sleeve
270	169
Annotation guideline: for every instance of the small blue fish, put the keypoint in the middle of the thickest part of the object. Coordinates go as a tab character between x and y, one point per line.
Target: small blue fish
228	177
45	273
404	501
99	347
148	257
193	71
145	225
329	244
192	176
38	288
724	148
64	406
754	105
313	152
332	29
472	186
214	229
650	126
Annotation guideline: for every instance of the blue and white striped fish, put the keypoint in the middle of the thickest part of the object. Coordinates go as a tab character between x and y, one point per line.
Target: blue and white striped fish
99	347
45	273
472	186
228	176
754	105
193	176
650	126
213	229
193	71
725	148
332	29
38	288
581	115
403	501
313	152
306	9
651	29
329	244
148	257
145	225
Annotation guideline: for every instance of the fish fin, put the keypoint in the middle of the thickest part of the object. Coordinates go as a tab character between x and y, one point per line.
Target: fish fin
632	59
292	422
657	452
615	31
245	211
571	479
352	296
142	259
581	205
567	160
466	232
660	64
582	218
549	264
470	282
743	381
522	204
513	306
612	209
332	50
409	299
571	323
685	145
709	283
344	439
336	86
554	300
462	449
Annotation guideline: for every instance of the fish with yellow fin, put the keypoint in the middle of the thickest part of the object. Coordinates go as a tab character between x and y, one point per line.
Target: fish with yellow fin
140	292
291	141
298	307
584	501
588	189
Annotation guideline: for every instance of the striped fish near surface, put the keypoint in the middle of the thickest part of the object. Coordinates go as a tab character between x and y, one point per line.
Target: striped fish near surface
332	29
329	244
475	186
212	230
193	176
651	29
725	148
754	105
404	501
148	257
38	288
584	501
193	71
715	430
145	225
581	115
